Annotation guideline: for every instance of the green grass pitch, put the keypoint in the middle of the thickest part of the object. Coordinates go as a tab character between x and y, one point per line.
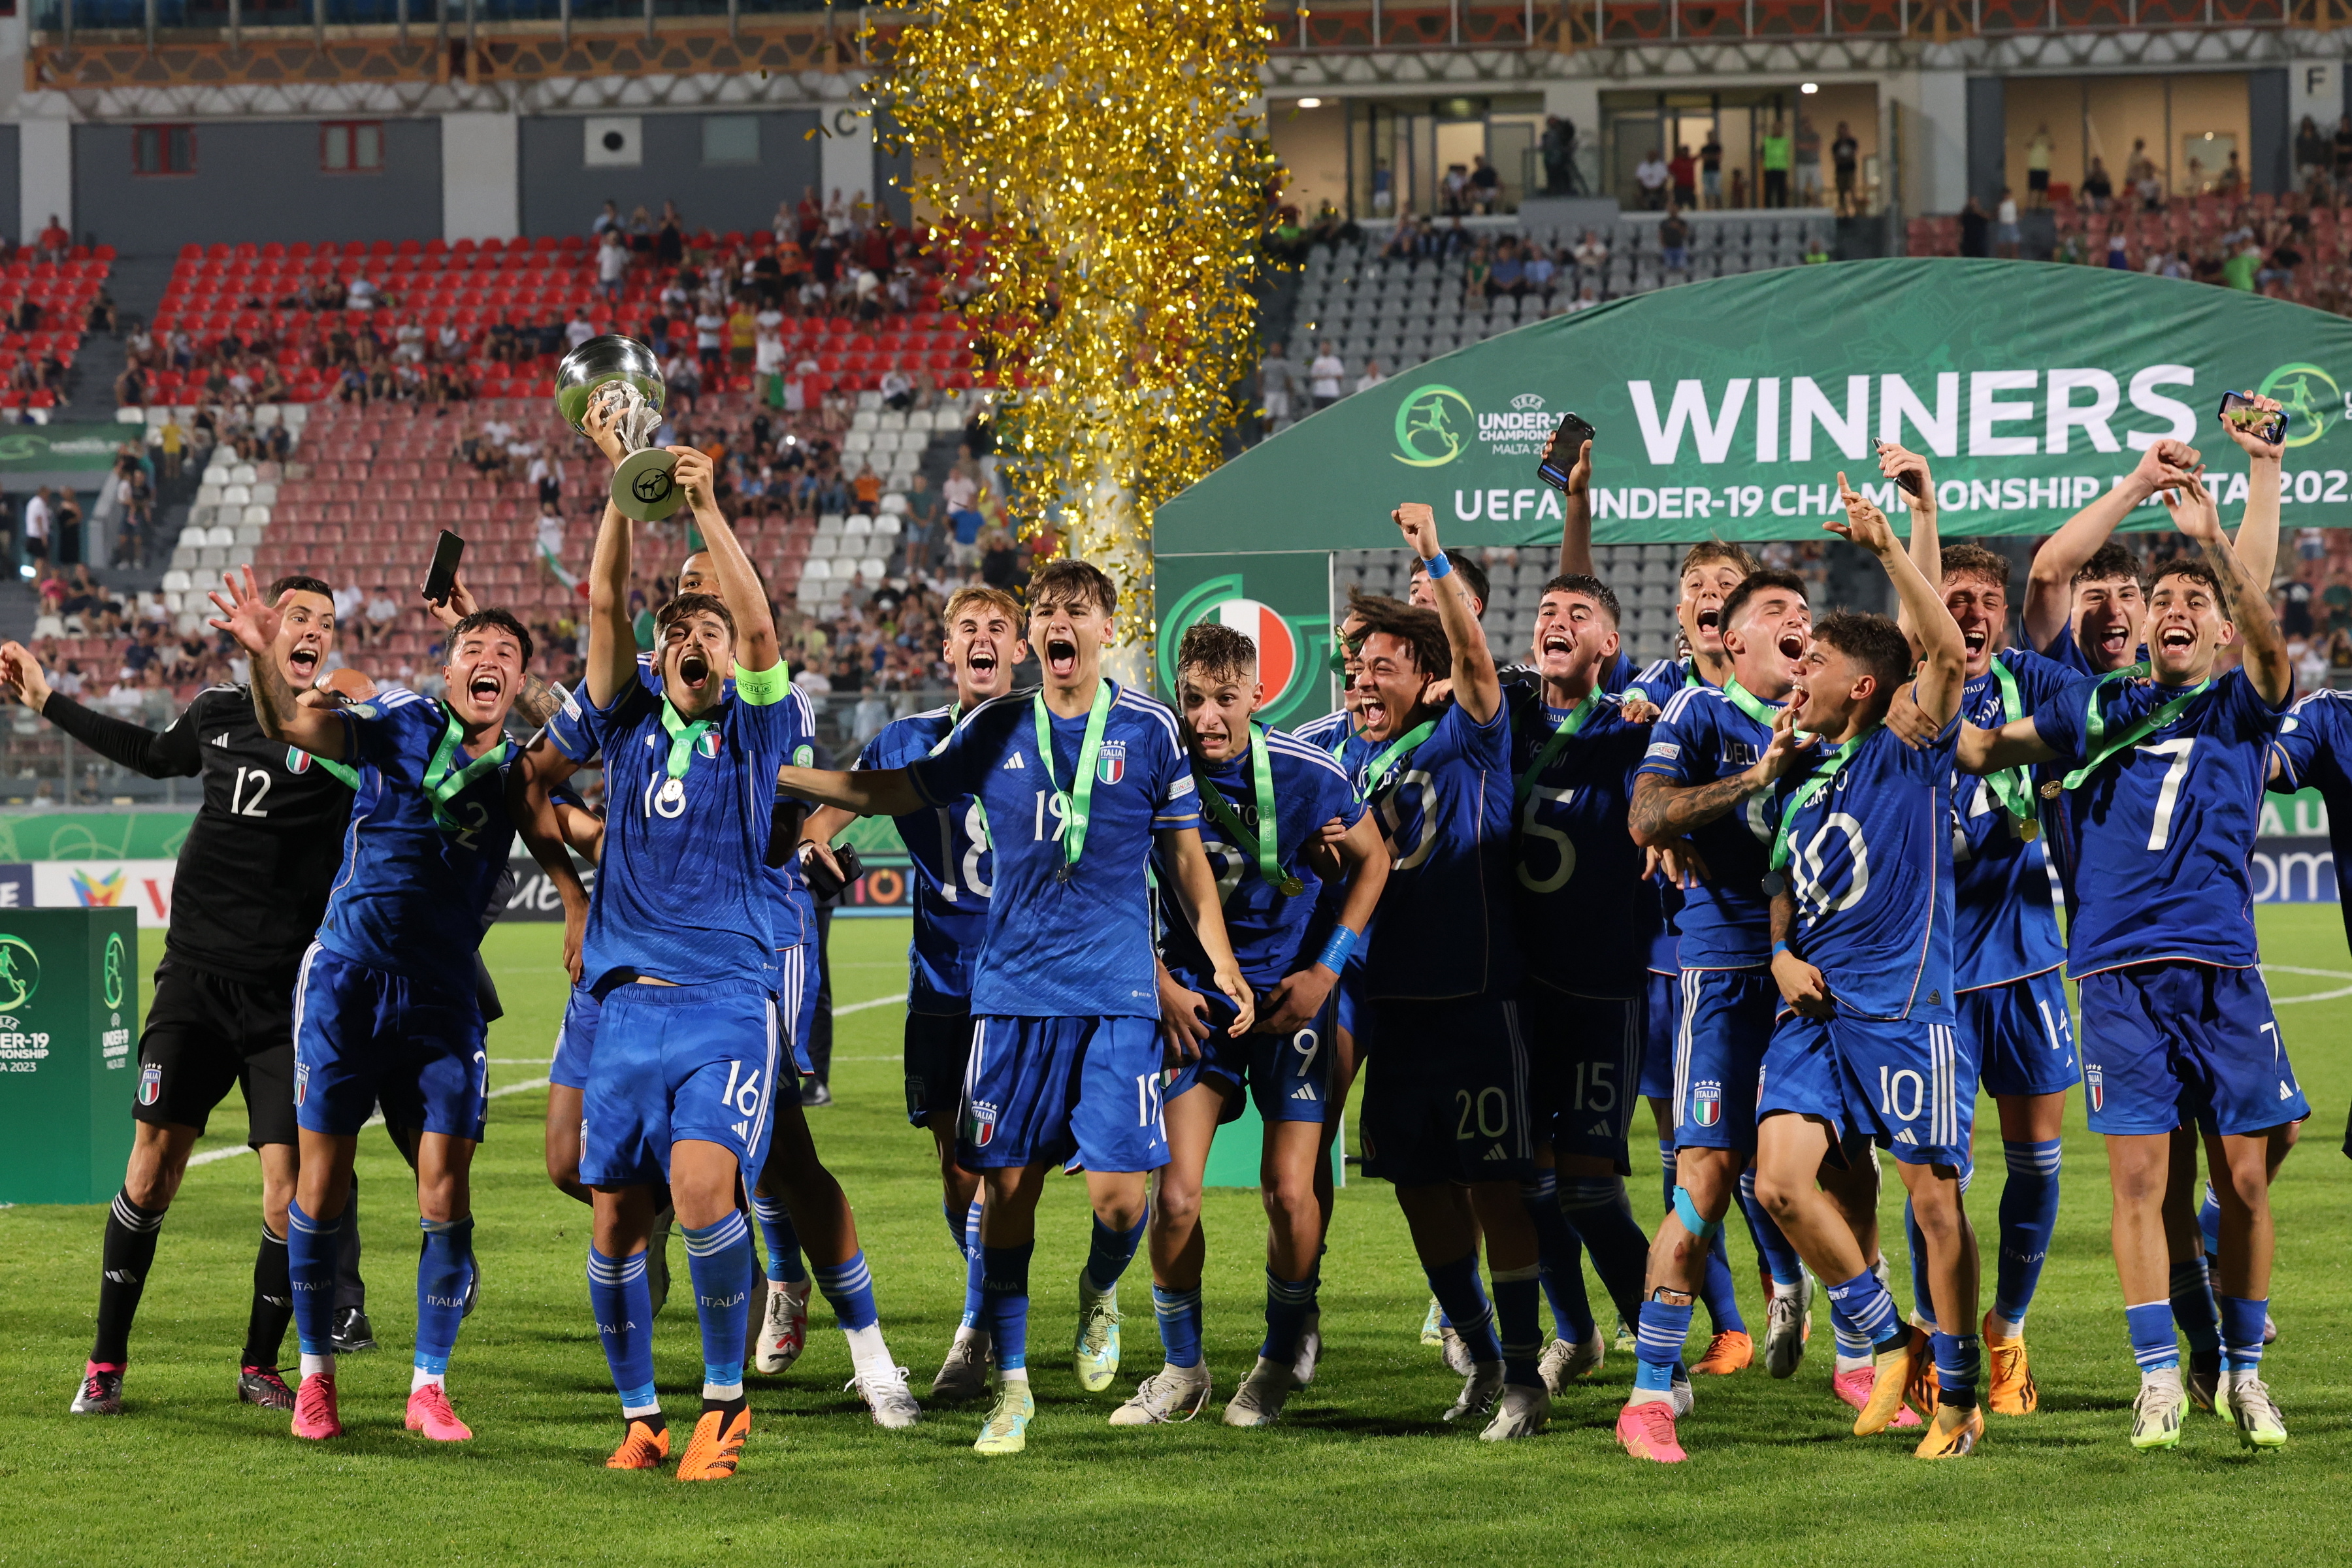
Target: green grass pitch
1360	1471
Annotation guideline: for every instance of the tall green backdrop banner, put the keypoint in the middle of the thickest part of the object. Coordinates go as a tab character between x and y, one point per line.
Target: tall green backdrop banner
1728	408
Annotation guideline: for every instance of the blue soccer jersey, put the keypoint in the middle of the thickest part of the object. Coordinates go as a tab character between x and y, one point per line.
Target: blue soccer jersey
1585	917
1269	929
2164	828
1870	867
954	868
1660	679
681	893
1335	734
2314	751
1725	922
1078	946
417	871
1446	927
2007	922
792	909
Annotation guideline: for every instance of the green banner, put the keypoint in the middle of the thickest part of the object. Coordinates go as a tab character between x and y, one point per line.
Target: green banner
1727	408
93	835
46	448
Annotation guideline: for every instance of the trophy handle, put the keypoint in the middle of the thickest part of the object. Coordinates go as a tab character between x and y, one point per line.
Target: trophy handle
644	487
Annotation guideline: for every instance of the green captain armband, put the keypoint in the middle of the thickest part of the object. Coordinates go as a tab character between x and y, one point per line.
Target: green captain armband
759	687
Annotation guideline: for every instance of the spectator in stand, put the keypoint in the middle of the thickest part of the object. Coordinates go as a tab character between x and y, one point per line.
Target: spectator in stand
979	446
1000	564
1682	172
1649	178
1276	380
1587	297
38	518
2098	190
1485	184
965	522
1845	163
348	600
608	221
408	340
1710	171
711	338
742	335
2005	234
54	242
1371	377
1776	152
383	610
868	488
2313	155
2037	168
1673	240
1592	252
897	389
1323	376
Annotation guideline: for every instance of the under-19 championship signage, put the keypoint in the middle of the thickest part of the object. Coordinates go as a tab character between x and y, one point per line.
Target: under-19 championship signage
1728	408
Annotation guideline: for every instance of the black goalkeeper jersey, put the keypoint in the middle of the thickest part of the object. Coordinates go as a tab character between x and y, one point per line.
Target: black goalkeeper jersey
253	874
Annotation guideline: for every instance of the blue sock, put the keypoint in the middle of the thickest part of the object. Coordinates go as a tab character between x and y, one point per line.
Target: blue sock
2029	1214
782	1242
960	1224
2209	1220
2242	1333
2193	1309
1597	1212
1455	1286
1286	1304
975	1301
1959	1363
1660	1330
1180	1323
719	1257
1867	1309
1004	1279
849	1289
1923	1295
1721	1296
310	1268
1779	1257
441	1270
1559	1257
1518	1322
2150	1327
1110	1254
623	1305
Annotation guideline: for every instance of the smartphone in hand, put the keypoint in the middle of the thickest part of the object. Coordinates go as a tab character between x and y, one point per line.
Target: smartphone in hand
1909	482
2238	410
1567	445
441	581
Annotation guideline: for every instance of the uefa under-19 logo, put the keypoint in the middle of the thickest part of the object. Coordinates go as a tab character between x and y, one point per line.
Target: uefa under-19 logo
2310	396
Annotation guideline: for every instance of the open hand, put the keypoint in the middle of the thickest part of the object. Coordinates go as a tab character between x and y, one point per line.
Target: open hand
1864	523
245	615
24	679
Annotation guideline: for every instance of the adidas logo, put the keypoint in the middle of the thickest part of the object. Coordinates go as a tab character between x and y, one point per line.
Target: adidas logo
1903	1135
2284	1092
1495	1154
1013	762
220	740
743	1130
1303	1092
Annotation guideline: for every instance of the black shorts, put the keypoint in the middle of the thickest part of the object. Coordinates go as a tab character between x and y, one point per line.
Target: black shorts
1445	1096
938	1047
2037	179
1584	1055
204	1033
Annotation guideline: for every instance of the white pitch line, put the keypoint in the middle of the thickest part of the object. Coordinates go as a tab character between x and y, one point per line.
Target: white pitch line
901	996
2290	969
209	1155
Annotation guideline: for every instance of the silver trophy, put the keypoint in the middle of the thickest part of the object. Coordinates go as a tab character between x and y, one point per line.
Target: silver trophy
622	373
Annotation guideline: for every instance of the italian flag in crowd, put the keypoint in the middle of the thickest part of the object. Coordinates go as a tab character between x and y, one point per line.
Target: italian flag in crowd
554	563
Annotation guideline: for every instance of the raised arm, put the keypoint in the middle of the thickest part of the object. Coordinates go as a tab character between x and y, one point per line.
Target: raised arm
254	622
171	754
2245	603
1575	513
2257	539
1196	896
1898	463
1476	685
2050	585
1944	658
747	602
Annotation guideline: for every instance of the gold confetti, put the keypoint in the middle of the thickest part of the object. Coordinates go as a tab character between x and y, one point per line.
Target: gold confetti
1102	151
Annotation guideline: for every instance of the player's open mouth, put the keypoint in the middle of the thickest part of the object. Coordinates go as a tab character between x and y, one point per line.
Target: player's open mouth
1709	619
1061	656
1373	712
1559	642
1792	645
304	662
980	661
1975	641
693	670
2114	639
484	688
2177	639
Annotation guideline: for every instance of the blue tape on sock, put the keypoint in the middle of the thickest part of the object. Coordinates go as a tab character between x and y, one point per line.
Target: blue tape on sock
1687	1212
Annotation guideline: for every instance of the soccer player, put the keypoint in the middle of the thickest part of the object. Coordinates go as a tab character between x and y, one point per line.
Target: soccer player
1065	1051
678	945
2164	768
387	1008
949	848
1582	897
1703	778
1861	950
1446	1118
247	894
1260	793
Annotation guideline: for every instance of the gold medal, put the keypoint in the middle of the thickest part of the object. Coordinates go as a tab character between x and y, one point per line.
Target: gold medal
2052	790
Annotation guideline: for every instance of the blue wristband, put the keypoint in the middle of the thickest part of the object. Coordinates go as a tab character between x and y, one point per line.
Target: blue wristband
1334	956
1778	948
1439	565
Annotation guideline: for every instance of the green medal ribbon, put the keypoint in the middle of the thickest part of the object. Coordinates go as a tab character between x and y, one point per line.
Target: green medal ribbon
1266	851
1078	798
1551	748
343	771
2095	727
1376	772
2013	787
1812	786
682	737
443	784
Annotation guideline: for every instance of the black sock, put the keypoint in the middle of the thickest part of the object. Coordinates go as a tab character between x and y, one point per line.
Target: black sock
130	1253
273	1302
651	1421
726	1407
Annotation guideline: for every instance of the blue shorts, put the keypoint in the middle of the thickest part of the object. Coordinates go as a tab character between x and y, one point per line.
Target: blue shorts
938	1047
2164	1042
1726	1023
1288	1077
1585	1057
1899	1083
1662	1022
2020	1036
364	1035
575	1039
1447	1100
796	989
1052	1090
674	1063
